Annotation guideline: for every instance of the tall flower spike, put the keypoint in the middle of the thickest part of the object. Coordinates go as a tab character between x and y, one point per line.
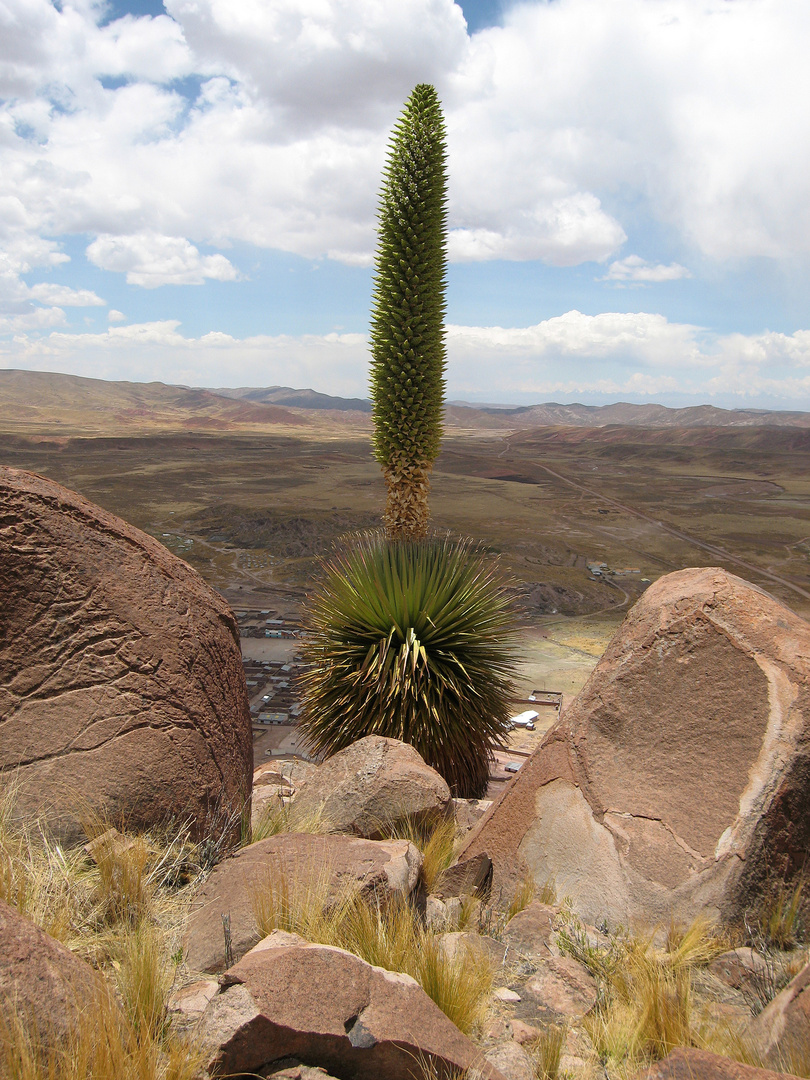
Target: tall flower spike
408	310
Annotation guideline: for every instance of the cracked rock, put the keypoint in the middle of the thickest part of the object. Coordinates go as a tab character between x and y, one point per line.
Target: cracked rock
678	781
121	682
326	1008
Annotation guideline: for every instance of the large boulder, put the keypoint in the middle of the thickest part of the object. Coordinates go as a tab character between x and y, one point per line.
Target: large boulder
327	865
371	784
679	779
41	982
121	682
326	1007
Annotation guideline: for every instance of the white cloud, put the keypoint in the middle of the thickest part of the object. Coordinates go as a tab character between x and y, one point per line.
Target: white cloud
637	271
113	316
616	353
151	260
565	232
157	351
48	293
695	112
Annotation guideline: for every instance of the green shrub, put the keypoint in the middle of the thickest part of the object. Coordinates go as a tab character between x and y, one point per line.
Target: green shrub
411	640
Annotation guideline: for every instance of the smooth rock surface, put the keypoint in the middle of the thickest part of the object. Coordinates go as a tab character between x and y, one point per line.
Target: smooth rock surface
381	867
372	783
327	1008
678	781
41	981
472	877
121	679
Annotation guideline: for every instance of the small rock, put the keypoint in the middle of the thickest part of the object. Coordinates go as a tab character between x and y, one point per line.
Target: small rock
531	931
109	843
372	784
503	993
43	981
563	987
683	1064
524	1033
513	1061
191	1001
378	867
436	914
780	1032
738	968
290	1069
570	1063
330	1009
456	939
469	878
468	812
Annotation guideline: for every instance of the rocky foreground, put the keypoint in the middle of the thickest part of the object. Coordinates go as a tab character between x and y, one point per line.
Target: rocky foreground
654	833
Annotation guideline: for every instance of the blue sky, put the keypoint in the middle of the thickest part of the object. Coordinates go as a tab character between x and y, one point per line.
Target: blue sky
187	193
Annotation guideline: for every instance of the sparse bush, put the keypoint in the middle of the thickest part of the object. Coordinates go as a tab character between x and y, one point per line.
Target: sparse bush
779	915
411	640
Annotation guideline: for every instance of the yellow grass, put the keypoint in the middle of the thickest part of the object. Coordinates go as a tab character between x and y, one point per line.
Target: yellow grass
435	838
118	912
389	935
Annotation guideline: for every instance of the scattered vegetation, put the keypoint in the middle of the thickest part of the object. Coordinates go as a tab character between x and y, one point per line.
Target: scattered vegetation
779	916
120	910
280	816
546	1052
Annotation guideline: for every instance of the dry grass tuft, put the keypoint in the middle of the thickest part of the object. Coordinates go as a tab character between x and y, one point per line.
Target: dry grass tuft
646	1007
103	1046
387	934
118	908
435	838
546	1052
282	817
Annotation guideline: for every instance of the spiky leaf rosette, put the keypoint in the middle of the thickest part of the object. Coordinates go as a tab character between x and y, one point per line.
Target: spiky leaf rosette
412	640
408	309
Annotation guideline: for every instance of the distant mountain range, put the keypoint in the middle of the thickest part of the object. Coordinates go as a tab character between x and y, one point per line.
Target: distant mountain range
549	414
33	399
299	399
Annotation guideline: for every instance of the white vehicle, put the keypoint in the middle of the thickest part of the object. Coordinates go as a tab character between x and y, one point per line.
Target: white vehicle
524	720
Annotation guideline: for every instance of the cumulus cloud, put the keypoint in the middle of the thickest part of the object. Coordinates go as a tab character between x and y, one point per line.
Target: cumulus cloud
692	111
151	260
637	355
162	142
158	351
48	293
114	316
637	271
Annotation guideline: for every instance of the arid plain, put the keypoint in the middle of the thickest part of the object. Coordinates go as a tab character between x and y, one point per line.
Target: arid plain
252	494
